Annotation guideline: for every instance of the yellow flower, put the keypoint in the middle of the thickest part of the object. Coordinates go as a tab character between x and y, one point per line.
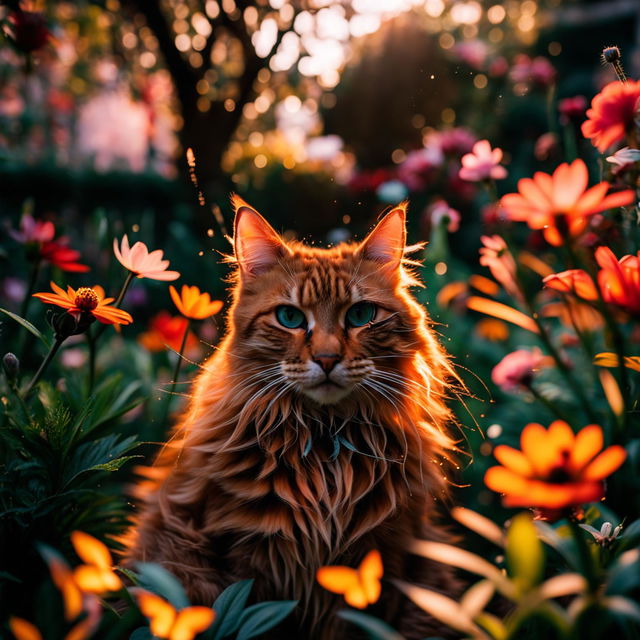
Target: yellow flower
167	622
360	587
140	262
193	304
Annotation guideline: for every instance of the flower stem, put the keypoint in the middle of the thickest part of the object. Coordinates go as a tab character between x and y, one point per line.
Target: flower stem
91	343
45	363
176	371
549	405
33	278
584	555
117	304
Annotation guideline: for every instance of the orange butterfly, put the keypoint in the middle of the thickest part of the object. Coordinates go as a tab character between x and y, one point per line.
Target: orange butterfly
96	576
360	587
171	624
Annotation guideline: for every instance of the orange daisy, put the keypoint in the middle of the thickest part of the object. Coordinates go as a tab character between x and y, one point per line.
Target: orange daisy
90	300
612	114
555	468
191	303
561	204
618	281
165	331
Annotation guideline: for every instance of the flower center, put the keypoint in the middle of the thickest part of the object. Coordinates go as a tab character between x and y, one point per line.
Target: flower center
86	299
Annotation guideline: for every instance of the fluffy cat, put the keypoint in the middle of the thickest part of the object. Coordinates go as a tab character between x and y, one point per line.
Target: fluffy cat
315	433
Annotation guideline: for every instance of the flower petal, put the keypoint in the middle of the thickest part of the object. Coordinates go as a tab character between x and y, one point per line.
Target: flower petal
605	463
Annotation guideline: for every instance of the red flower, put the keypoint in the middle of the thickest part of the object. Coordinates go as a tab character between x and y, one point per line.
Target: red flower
612	114
165	331
572	108
562	199
618	281
516	370
61	256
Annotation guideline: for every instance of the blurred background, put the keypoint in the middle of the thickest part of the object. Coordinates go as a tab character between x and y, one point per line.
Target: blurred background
319	113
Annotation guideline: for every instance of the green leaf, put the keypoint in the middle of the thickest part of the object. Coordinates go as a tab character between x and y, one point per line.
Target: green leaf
624	575
525	555
564	546
630	535
228	607
622	606
375	628
157	579
28	326
141	634
263	616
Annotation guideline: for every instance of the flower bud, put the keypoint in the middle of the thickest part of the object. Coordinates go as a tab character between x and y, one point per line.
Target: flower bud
11	366
611	54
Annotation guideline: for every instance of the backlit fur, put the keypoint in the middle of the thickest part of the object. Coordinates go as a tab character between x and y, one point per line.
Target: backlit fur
271	475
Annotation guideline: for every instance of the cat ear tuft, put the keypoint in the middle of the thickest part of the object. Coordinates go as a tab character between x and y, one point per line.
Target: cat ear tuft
385	244
257	246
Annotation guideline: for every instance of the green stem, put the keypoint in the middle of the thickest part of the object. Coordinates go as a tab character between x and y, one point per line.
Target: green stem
91	342
549	405
45	363
117	303
33	278
176	371
584	555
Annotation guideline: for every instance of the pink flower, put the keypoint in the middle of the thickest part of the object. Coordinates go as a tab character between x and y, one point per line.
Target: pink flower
472	52
624	157
573	108
455	142
440	211
498	67
482	163
516	370
32	230
532	71
546	146
495	255
416	170
140	262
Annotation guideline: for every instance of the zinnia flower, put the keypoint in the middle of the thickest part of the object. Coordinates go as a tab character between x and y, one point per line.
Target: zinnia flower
555	468
482	163
572	108
612	114
86	300
561	203
618	281
516	370
97	575
193	304
141	263
495	255
165	331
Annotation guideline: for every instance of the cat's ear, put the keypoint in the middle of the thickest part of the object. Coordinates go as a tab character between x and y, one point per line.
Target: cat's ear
385	244
256	244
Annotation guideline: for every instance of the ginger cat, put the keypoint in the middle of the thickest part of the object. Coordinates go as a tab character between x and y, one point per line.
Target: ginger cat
315	433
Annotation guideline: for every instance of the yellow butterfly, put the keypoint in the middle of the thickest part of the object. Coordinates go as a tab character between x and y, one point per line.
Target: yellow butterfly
360	587
167	622
96	576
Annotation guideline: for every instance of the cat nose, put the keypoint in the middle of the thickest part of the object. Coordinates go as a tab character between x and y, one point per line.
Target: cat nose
327	361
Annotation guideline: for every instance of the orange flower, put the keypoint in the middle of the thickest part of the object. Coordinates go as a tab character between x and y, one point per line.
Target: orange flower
193	304
612	114
360	587
167	622
561	203
503	312
492	330
140	262
24	630
96	576
608	359
85	300
556	468
618	281
165	331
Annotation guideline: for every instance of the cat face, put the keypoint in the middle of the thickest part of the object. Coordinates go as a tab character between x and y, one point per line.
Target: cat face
324	323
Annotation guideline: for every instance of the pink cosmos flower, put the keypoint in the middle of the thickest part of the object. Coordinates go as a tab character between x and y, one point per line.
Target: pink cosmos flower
416	170
532	70
32	230
140	262
516	370
495	255
482	163
440	210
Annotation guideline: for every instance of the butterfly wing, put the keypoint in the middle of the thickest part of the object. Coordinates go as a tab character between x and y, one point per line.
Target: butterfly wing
346	582
161	614
370	572
190	622
91	551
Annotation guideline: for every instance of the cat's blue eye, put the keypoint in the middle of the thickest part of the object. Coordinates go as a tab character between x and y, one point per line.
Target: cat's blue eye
360	314
290	317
